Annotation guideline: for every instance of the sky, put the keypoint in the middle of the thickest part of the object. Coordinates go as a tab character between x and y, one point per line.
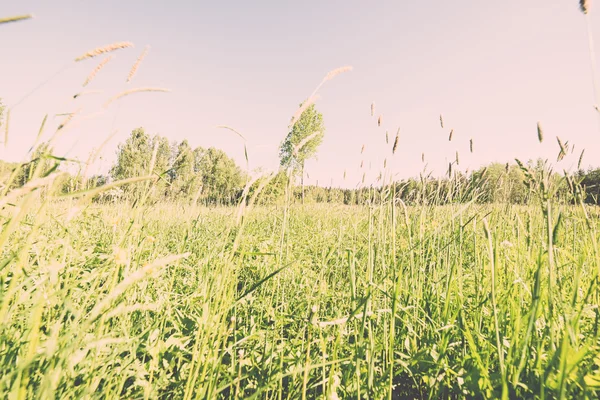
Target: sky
492	69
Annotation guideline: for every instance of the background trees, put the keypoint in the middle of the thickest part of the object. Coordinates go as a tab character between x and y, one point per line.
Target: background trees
207	175
309	123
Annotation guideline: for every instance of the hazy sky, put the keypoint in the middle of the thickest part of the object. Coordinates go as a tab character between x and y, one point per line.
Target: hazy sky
492	68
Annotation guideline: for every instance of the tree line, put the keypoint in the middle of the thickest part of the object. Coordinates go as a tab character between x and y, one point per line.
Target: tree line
209	176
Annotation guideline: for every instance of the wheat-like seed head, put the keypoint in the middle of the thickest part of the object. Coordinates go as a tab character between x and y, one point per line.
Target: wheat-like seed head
372	109
396	142
363	149
584	5
92	74
387	138
540	132
136	90
563	150
580	159
344	174
450	136
441	121
362	163
422	157
471	145
457	160
105	49
135	67
15	18
379	120
332	74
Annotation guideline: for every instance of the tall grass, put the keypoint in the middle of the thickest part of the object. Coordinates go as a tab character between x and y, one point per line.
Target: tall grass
444	298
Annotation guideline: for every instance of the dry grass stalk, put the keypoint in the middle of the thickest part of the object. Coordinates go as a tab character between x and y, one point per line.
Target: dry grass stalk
580	159
584	5
15	18
540	132
131	91
146	271
303	142
395	147
92	75
6	128
28	188
135	67
67	120
104	49
563	149
330	75
450	136
232	130
310	101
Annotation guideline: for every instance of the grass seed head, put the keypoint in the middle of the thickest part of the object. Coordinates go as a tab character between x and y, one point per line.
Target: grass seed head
580	159
135	66
584	5
540	133
104	49
92	74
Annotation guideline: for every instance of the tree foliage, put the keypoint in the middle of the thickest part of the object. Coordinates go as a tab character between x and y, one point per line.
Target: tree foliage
202	174
309	123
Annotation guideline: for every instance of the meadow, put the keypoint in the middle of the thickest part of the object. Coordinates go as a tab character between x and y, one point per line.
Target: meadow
447	293
378	301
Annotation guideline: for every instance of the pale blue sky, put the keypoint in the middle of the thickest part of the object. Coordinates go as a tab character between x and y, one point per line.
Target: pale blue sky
493	69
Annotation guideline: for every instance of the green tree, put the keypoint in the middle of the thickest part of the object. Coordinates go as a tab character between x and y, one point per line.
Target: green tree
133	159
183	170
310	123
220	177
133	156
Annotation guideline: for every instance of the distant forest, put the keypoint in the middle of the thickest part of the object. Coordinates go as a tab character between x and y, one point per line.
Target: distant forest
208	176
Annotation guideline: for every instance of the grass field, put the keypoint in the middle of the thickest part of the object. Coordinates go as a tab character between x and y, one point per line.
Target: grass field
446	297
381	301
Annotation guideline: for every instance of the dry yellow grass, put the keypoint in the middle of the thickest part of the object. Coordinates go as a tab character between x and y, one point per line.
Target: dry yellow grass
136	66
136	90
104	49
92	74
